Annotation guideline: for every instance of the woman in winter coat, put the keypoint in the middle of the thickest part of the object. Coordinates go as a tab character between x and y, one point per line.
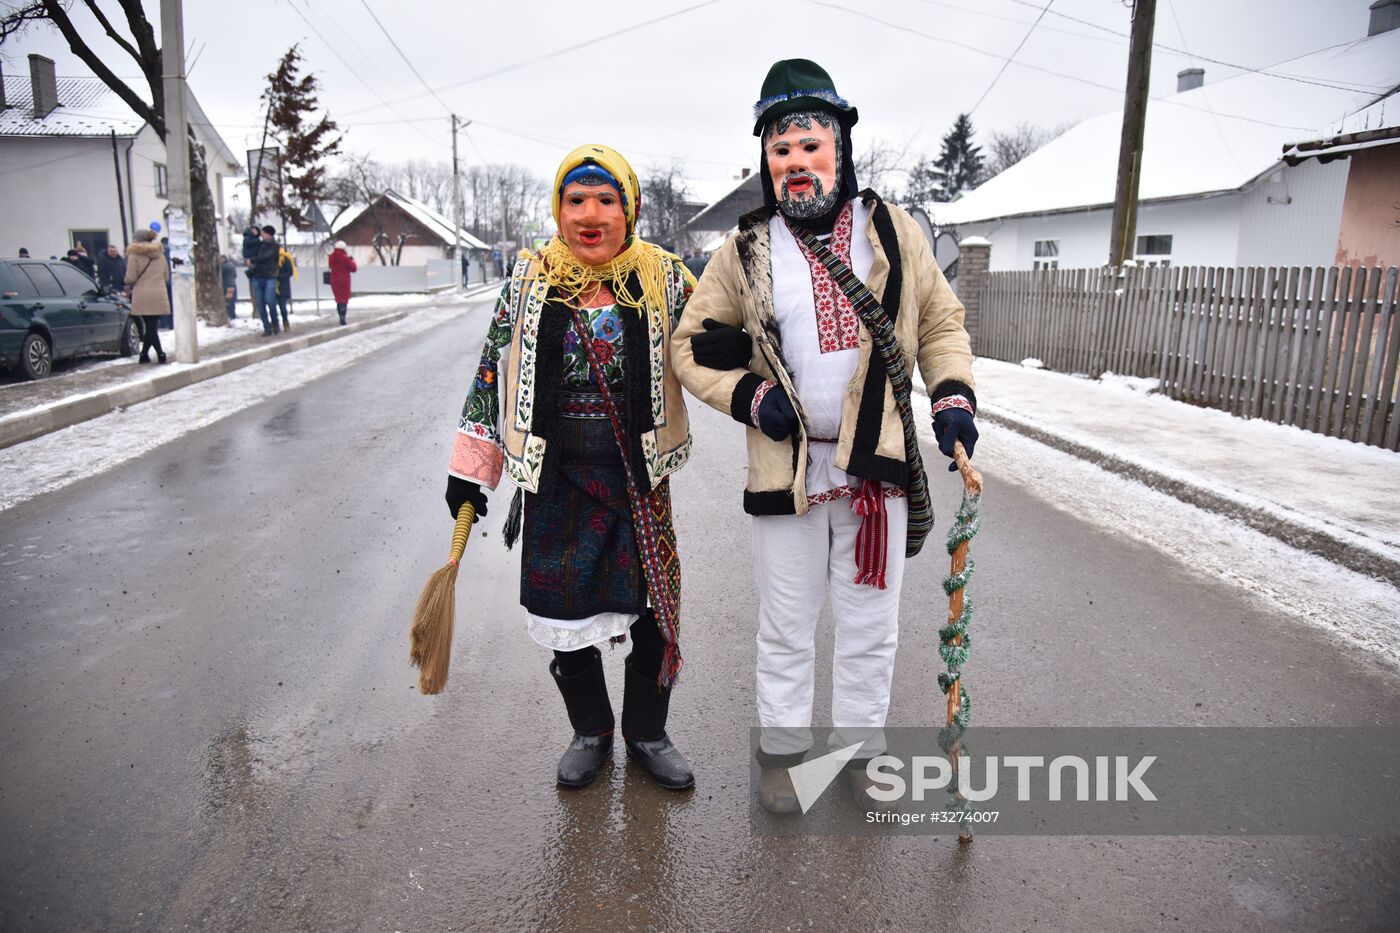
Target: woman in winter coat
147	273
341	267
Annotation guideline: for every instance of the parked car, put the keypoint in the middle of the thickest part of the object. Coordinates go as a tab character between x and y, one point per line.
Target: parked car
52	311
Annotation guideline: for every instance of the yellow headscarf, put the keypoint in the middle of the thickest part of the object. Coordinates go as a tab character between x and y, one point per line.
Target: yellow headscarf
564	271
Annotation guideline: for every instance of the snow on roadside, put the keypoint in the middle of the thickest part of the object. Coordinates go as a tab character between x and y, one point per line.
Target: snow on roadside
56	460
1307	588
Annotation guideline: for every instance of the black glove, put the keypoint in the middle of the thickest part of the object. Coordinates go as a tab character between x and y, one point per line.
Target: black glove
955	424
722	346
461	490
776	416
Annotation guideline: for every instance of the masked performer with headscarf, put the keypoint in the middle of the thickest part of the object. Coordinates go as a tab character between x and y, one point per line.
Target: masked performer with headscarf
805	329
587	419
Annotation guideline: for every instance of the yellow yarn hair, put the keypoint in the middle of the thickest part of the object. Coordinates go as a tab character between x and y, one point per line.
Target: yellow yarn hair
652	264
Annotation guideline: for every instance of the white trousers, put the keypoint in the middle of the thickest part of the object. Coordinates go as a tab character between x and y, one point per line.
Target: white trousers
798	560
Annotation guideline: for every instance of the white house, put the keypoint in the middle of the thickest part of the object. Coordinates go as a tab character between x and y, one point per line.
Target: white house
77	165
1215	188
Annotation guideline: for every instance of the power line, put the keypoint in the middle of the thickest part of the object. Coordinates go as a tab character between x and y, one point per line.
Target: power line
1215	61
1059	74
365	4
963	45
1204	99
1021	22
542	57
354	71
1006	64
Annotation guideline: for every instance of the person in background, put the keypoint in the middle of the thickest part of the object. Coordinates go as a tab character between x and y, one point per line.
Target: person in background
286	271
695	261
168	322
84	261
341	268
23	253
146	273
264	281
228	272
252	237
76	261
111	270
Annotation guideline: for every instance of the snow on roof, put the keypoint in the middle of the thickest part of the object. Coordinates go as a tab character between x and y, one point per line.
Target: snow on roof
1187	150
437	224
86	107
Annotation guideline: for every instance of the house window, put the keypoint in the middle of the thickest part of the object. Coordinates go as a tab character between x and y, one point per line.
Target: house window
162	185
1155	250
1047	254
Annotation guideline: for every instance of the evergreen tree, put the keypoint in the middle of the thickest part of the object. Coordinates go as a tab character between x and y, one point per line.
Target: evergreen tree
924	184
960	163
306	142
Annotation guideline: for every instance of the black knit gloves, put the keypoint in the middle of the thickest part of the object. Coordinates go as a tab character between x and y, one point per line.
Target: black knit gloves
460	490
954	408
776	416
722	346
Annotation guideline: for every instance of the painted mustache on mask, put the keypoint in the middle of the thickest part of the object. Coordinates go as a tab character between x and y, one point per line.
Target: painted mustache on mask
812	187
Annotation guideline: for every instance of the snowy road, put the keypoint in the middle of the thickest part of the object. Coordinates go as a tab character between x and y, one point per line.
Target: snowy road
209	720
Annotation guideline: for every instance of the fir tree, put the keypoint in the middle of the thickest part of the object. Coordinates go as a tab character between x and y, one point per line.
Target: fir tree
924	184
960	163
306	142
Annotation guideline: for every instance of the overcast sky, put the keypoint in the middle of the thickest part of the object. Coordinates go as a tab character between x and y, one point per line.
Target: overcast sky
537	78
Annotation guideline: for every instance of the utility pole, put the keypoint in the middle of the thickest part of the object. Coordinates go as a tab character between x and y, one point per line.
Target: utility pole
177	159
1125	198
456	201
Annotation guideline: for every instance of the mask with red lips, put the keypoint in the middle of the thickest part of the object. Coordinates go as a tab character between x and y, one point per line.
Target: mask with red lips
803	153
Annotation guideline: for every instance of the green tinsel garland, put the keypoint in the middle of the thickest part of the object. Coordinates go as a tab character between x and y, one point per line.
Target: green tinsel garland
955	655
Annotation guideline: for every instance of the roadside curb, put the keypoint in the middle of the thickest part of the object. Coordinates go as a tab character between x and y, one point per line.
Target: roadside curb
27	425
1303	537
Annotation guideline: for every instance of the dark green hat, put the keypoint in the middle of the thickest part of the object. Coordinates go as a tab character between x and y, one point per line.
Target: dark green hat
794	85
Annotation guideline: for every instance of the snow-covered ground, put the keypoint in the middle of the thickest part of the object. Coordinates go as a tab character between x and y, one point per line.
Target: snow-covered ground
1344	489
1294	584
55	460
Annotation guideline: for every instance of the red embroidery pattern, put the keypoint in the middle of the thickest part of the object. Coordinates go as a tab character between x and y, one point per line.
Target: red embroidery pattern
848	492
838	326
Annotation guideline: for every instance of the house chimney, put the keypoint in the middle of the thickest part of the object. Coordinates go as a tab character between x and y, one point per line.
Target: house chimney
1385	16
744	173
44	84
3	102
1188	79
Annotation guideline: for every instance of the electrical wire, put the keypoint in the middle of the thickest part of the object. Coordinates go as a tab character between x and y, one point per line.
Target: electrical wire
406	61
354	71
1204	98
1006	64
515	66
1216	61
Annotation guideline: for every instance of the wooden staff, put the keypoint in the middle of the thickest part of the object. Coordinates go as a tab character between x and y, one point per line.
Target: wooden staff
972	487
430	638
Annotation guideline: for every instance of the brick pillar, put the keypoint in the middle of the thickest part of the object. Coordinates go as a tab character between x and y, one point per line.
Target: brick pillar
974	255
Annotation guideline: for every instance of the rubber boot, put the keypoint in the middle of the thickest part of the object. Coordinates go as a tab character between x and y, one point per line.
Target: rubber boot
775	791
644	708
586	699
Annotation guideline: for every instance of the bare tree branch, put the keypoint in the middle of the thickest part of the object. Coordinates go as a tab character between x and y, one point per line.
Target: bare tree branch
112	33
59	17
16	21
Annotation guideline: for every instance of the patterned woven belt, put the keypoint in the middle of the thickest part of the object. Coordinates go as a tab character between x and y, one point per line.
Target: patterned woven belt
587	404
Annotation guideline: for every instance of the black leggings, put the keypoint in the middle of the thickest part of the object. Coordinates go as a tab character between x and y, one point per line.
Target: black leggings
647	649
150	335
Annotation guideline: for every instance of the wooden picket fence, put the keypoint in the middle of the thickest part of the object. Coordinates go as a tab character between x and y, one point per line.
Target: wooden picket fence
1312	347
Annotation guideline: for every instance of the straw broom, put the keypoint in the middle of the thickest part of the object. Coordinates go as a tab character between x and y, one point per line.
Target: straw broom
430	638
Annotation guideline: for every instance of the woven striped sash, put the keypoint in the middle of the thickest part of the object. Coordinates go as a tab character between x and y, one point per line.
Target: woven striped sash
877	321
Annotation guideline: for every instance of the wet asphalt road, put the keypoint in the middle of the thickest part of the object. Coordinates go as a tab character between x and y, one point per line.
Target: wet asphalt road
209	721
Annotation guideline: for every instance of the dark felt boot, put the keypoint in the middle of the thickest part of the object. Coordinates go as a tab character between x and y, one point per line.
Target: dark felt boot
644	709
586	698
